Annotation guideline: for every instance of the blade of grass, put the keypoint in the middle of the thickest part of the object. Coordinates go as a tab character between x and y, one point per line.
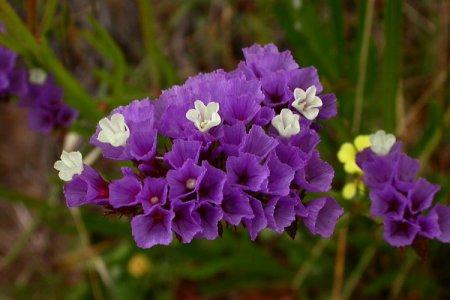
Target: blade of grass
362	66
357	273
391	61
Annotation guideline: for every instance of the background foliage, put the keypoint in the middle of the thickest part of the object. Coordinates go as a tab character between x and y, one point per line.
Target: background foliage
387	61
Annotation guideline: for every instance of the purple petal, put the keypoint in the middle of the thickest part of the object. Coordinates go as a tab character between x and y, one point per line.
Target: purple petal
257	142
264	116
211	188
232	138
291	156
400	233
304	78
181	151
316	176
185	180
246	172
443	213
387	203
153	228
429	226
323	214
329	106
186	223
407	169
235	206
275	88
258	222
153	192
280	213
123	192
86	188
41	120
280	177
421	195
66	115
210	216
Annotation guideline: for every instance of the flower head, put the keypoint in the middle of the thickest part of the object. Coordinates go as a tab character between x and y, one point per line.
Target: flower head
381	143
114	130
286	123
306	102
70	164
204	116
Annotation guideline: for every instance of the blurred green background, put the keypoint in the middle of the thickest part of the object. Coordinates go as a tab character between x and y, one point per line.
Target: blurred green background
386	60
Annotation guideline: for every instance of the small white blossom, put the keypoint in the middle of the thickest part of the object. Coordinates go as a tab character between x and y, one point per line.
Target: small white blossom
37	76
382	142
306	102
71	164
204	116
114	131
287	123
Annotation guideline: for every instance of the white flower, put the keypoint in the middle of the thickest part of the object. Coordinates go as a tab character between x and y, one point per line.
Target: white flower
204	117
287	123
37	76
71	164
306	102
382	142
114	131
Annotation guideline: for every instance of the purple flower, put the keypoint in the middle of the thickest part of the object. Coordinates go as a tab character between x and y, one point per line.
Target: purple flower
329	106
86	188
443	213
209	215
153	228
181	151
256	223
400	233
406	172
211	187
41	120
153	192
257	142
186	222
280	213
387	203
186	180
124	191
429	226
261	61
141	144
316	176
280	176
264	116
235	206
421	195
232	138
323	214
246	172
276	90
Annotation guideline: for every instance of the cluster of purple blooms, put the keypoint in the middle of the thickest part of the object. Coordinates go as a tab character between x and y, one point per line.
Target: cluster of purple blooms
223	148
46	110
403	201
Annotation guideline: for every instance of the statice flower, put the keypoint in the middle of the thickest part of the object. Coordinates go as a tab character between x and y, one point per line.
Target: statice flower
403	201
223	149
12	78
44	101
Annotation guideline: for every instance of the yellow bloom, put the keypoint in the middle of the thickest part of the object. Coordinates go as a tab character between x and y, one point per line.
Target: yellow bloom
349	190
139	265
362	142
347	153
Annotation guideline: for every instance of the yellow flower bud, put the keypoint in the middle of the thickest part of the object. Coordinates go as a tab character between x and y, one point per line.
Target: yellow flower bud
139	265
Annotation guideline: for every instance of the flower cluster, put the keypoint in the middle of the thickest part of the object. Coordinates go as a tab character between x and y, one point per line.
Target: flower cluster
224	148
43	99
12	79
402	200
37	92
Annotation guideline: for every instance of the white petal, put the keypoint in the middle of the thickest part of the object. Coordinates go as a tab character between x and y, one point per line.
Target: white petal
315	102
192	115
311	113
213	107
311	92
299	94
